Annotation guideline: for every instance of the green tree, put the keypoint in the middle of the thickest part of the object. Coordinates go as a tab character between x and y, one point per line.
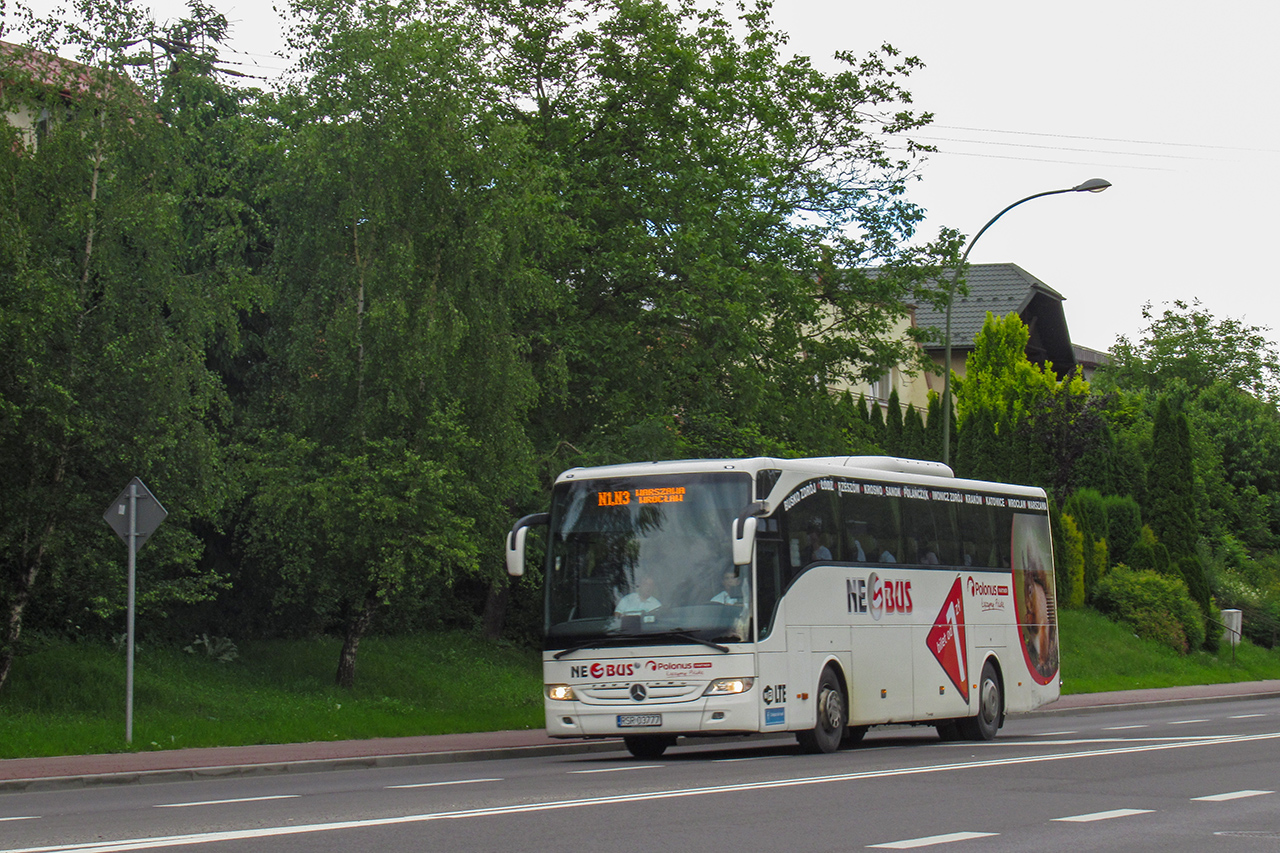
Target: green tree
1068	546
1171	504
978	451
933	429
1187	343
894	442
105	317
913	435
1124	525
877	426
862	410
1088	509
412	217
1236	439
728	201
1042	430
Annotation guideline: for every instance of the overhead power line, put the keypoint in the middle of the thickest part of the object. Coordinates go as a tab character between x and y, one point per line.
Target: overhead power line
1107	139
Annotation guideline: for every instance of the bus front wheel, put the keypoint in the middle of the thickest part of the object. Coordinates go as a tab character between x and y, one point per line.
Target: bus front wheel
990	714
833	717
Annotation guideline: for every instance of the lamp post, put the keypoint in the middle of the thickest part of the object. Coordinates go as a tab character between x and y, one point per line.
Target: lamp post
1093	185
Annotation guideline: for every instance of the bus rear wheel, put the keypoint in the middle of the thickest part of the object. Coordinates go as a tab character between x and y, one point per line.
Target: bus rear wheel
990	714
648	746
833	717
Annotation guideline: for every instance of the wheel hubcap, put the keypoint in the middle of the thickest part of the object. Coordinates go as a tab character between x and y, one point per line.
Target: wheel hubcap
831	710
990	701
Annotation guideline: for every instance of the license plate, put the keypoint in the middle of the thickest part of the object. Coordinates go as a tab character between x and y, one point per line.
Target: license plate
630	721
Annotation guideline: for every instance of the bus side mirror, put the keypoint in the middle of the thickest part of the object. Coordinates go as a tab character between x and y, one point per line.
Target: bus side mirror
744	541
743	533
515	541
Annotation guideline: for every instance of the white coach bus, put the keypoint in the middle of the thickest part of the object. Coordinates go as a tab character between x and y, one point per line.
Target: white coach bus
814	596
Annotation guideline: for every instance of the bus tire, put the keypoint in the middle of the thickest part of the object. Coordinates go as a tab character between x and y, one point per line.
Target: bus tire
833	717
990	716
648	746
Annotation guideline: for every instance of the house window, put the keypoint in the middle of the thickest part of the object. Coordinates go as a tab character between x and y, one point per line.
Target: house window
882	388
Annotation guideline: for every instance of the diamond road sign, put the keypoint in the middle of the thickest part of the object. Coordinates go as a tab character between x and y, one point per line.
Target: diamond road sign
150	514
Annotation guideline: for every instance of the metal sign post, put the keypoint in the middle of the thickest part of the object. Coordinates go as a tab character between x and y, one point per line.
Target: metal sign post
133	515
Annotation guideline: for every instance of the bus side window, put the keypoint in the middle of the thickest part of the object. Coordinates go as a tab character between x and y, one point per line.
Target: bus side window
856	539
884	529
811	531
976	535
918	532
945	546
1003	518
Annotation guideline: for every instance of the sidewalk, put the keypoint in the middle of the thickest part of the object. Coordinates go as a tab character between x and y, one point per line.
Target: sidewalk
31	774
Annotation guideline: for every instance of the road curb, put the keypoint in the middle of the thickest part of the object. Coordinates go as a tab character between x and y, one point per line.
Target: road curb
1102	707
1089	704
275	768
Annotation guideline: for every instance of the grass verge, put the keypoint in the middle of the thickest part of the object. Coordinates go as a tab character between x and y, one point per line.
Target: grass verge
1099	655
67	699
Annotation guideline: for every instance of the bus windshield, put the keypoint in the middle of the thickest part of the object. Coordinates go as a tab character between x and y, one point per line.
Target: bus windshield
647	558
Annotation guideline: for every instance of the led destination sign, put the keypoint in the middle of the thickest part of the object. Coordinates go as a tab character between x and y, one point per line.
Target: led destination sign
652	495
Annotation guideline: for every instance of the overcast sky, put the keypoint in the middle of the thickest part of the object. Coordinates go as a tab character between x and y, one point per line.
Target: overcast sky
1175	103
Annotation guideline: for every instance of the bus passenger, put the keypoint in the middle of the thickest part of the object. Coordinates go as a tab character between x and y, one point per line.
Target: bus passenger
817	551
732	592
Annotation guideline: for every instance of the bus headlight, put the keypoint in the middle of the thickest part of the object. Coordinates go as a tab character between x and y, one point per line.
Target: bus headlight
560	692
728	686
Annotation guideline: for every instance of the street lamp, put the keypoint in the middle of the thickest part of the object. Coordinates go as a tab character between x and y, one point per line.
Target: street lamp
1093	185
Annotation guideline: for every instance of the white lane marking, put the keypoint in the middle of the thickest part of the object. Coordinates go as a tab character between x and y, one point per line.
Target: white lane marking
1233	795
744	758
1187	739
912	843
619	769
556	805
441	784
1052	734
1122	728
20	817
225	802
1108	815
1245	716
1186	722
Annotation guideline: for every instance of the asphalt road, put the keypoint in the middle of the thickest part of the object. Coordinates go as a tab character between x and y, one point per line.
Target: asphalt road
1146	777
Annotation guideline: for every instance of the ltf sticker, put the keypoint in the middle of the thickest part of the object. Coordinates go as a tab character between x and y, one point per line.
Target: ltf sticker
947	642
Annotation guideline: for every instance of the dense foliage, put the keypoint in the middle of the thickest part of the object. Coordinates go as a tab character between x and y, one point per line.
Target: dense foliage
346	330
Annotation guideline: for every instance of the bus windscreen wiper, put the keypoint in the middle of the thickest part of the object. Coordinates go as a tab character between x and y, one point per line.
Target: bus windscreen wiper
597	643
687	635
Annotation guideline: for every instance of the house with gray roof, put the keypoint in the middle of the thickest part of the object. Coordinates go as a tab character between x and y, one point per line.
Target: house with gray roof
1002	289
998	289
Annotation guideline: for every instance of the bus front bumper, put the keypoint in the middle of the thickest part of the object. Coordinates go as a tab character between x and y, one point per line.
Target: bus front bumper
705	716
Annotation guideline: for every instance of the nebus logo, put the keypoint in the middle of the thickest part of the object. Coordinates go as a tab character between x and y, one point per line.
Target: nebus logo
878	596
602	670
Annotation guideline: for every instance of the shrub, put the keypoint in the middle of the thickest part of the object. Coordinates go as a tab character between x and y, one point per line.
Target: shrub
1124	525
1197	582
1088	509
1069	556
1157	606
